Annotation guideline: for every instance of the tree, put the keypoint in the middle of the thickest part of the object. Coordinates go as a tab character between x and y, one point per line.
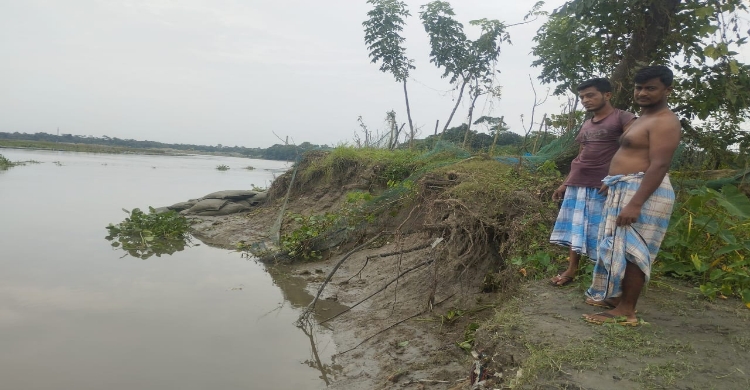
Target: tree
495	125
584	39
385	43
465	62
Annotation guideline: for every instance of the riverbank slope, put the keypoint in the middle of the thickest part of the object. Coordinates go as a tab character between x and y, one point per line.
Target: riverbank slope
442	259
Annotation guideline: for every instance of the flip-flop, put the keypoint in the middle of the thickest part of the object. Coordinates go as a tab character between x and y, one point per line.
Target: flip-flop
609	319
603	304
566	280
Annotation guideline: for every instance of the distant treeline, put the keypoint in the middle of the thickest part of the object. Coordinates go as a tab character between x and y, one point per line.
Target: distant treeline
275	152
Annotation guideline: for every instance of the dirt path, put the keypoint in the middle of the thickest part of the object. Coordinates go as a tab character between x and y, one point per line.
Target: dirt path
687	342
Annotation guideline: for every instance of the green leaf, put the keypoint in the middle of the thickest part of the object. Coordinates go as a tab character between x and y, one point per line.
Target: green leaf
696	262
734	202
733	68
728	249
746	297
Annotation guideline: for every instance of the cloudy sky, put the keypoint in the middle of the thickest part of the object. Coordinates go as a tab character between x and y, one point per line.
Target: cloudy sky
231	72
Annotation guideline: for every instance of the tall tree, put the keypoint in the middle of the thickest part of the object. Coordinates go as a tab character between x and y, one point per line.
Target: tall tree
385	43
464	62
585	38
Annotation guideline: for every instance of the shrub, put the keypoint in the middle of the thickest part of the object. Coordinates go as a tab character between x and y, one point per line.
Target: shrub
709	242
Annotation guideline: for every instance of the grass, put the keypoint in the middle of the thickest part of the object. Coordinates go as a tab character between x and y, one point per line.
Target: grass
389	165
547	361
663	375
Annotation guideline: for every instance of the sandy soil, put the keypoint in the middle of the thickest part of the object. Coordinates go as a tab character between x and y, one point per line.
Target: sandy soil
686	342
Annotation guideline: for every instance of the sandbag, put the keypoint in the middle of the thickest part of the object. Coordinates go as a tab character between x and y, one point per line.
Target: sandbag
229	208
231	194
207	205
182	205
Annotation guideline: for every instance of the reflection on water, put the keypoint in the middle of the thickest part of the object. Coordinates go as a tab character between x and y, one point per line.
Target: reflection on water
74	315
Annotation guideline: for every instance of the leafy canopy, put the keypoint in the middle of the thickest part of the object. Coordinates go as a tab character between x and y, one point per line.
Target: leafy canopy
383	37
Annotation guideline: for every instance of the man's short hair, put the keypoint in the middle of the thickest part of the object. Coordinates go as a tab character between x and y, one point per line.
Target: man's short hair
601	85
661	72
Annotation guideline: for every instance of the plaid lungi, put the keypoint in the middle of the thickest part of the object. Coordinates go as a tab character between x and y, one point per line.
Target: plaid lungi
637	243
578	221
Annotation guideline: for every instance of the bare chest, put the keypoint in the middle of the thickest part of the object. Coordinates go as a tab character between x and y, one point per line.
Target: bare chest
637	135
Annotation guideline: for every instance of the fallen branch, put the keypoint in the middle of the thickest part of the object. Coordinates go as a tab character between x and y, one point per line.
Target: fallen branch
303	317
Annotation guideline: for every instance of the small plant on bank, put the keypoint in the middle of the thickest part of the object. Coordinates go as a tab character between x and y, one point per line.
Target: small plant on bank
143	235
222	167
300	241
709	242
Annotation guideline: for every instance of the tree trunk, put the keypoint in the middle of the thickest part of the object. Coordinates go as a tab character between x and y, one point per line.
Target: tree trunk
471	114
497	133
538	134
455	107
655	21
408	115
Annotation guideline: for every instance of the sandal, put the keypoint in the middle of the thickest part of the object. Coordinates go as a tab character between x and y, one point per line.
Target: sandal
561	280
608	318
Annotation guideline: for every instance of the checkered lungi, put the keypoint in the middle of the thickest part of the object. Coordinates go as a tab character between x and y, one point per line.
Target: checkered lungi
577	224
637	243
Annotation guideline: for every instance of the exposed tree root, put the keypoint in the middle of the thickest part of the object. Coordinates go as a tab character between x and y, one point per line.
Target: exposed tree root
304	317
392	326
420	265
401	252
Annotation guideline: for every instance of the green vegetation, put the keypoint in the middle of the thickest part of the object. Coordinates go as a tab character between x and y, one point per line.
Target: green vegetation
5	163
300	242
709	242
222	167
143	235
699	39
78	143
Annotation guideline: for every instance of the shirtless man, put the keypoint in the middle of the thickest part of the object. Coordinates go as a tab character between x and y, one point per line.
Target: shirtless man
639	201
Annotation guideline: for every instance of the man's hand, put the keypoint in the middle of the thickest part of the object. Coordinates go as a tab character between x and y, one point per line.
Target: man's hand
628	215
559	193
603	190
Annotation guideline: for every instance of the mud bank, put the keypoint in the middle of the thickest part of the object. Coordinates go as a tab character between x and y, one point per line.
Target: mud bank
433	302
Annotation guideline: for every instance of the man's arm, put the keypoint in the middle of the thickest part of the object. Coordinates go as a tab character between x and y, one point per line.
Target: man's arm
559	193
663	139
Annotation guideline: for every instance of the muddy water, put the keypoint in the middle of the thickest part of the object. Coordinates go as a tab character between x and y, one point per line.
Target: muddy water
75	314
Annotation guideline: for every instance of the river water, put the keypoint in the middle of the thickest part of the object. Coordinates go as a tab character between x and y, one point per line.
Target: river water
76	314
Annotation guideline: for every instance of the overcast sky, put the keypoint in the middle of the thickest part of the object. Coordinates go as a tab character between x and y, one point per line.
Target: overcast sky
232	72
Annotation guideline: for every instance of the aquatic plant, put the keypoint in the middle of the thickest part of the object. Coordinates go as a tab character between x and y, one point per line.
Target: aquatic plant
5	163
143	235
